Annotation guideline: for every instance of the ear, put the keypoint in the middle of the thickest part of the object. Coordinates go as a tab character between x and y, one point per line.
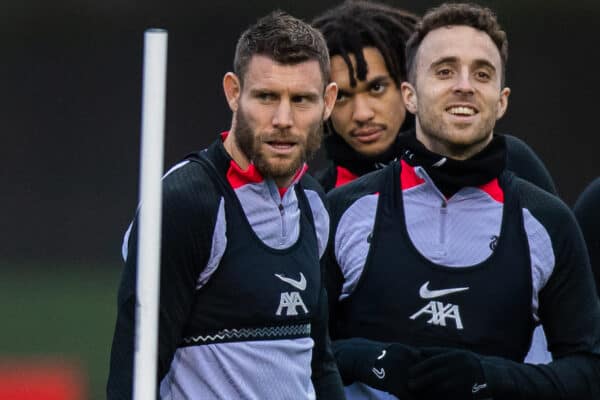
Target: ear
502	102
233	89
330	97
409	95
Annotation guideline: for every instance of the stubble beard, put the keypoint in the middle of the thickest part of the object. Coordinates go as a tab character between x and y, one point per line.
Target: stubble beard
250	143
456	143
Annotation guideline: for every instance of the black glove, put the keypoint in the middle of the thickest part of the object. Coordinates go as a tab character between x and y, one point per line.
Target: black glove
383	366
448	374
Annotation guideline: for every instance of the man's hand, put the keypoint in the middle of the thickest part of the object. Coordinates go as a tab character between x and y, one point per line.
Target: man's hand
383	366
448	374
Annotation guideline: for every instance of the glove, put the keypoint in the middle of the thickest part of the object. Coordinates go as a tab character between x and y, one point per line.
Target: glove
380	365
448	374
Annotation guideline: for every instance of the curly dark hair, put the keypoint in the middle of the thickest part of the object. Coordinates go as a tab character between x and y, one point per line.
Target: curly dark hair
466	14
353	25
285	39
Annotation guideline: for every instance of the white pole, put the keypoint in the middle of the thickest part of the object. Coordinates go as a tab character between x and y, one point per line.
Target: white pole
149	223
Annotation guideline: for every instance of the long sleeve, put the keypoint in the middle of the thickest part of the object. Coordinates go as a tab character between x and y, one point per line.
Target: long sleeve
188	212
525	163
338	200
570	313
325	376
333	283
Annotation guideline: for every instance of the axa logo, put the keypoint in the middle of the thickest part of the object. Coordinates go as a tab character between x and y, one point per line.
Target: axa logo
438	311
290	301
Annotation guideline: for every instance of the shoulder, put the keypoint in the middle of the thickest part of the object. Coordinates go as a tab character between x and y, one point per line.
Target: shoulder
587	212
523	161
546	207
517	149
548	216
344	196
516	144
309	182
188	187
326	176
589	199
315	194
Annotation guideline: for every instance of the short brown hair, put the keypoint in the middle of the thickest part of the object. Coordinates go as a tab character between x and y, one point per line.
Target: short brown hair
465	14
285	39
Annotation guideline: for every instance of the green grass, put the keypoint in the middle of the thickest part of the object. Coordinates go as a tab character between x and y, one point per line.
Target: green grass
60	313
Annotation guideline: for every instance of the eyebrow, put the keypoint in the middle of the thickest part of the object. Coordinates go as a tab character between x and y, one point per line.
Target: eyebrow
378	79
257	91
480	62
369	83
306	94
311	96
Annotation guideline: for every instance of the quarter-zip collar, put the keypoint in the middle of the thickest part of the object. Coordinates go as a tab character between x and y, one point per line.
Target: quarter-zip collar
238	177
491	188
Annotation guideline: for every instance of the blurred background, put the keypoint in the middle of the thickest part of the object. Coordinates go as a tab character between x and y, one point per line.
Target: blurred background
70	74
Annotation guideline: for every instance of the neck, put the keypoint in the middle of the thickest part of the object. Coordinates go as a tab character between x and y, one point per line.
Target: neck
450	174
452	150
284	182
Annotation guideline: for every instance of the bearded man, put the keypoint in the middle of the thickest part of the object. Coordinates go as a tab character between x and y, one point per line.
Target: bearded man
243	311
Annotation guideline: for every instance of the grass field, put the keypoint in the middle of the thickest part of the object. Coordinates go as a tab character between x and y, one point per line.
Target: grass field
60	313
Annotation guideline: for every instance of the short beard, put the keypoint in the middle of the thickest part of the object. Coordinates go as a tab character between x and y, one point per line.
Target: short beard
249	142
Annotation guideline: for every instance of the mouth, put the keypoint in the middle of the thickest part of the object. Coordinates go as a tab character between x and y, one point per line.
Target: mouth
368	134
462	111
281	146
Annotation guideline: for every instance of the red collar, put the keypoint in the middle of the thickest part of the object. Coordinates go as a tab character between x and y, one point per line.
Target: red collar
238	177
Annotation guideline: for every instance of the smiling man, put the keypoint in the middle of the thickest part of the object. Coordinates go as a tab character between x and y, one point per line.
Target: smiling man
446	259
461	93
366	42
243	310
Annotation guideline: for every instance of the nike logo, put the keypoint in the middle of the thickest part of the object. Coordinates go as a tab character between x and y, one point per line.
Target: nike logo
379	373
301	284
425	293
383	353
476	388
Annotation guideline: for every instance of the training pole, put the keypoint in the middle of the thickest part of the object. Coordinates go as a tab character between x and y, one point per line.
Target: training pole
149	222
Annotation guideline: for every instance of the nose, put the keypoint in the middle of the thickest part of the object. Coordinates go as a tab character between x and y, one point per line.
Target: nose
362	112
283	117
463	84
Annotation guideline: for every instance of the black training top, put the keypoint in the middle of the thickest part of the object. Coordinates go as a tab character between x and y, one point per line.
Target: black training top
243	310
462	231
467	313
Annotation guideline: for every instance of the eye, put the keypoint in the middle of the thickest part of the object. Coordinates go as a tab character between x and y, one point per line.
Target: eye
266	96
299	99
444	72
483	75
378	88
342	97
305	99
